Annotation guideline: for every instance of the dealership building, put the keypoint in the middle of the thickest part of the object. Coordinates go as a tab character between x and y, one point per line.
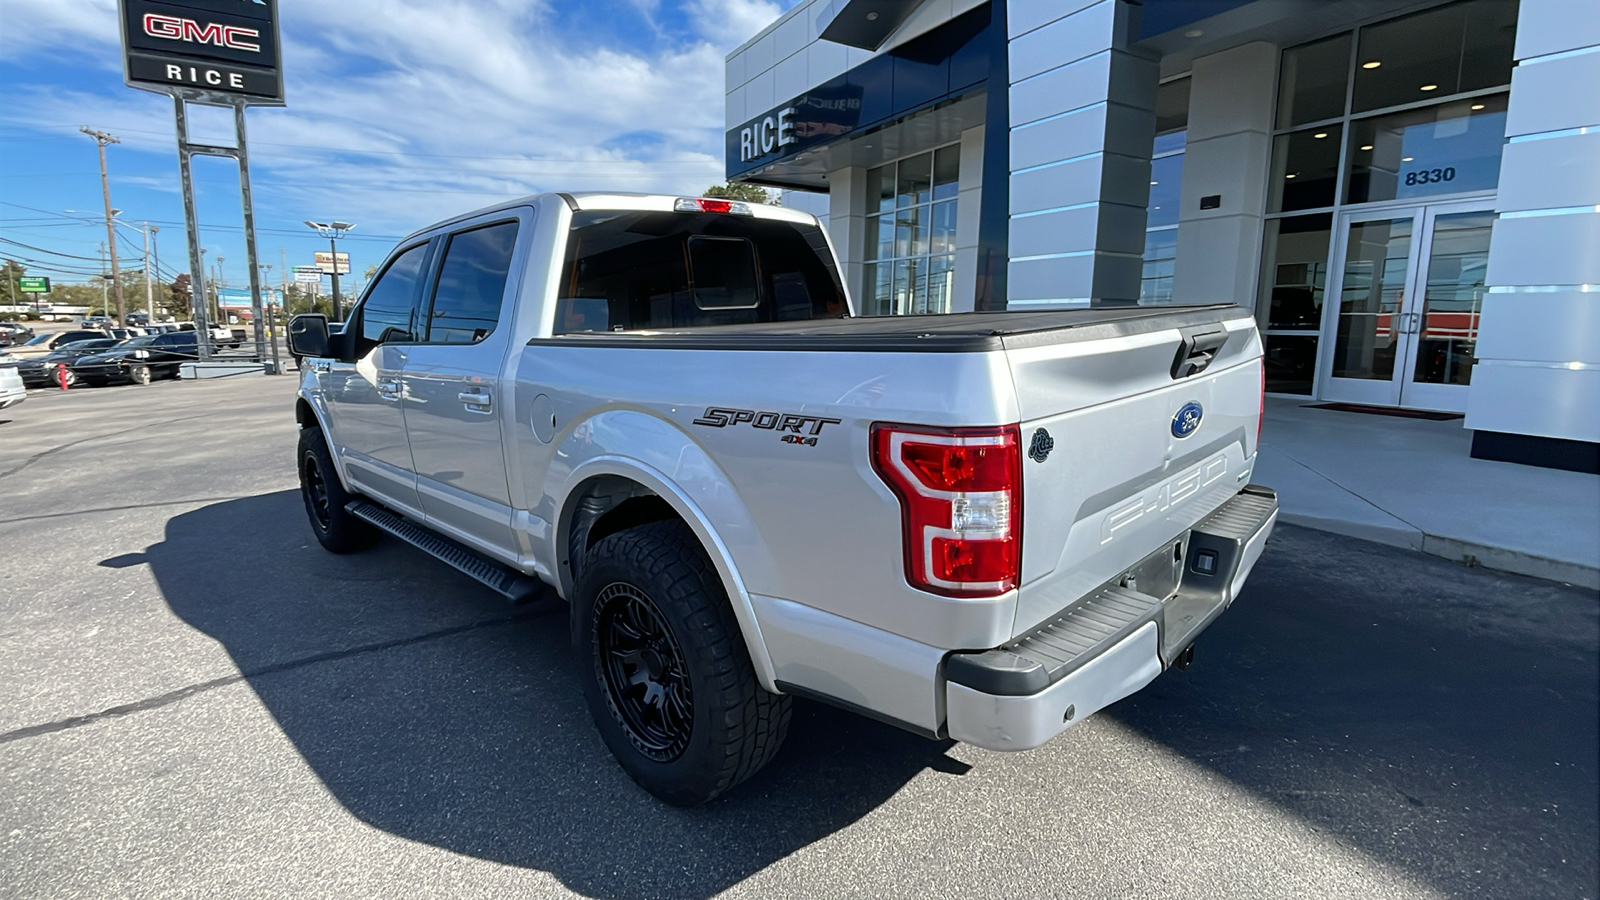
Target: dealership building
1407	193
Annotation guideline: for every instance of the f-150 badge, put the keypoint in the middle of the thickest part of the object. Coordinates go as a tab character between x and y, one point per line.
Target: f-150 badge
800	430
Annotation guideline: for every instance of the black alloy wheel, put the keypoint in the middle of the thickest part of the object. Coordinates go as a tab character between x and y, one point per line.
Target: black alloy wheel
316	488
646	676
325	497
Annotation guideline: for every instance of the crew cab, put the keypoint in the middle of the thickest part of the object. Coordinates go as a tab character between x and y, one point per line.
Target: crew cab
664	412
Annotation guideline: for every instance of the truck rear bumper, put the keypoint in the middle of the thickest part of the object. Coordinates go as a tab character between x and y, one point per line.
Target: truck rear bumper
1113	643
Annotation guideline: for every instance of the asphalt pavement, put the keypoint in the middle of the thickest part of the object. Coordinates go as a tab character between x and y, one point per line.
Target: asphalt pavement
196	700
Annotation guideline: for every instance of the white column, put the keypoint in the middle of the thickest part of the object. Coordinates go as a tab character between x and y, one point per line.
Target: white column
1538	369
1227	155
968	205
847	225
1082	114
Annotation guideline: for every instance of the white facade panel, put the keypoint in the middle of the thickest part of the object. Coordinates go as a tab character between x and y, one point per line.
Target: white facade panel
1060	90
1535	399
1234	166
1068	184
1077	133
791	36
1023	16
1233	91
790	79
1536	250
1063	41
760	56
758	95
1553	173
1545	100
825	61
733	72
1556	26
1216	261
1068	279
734	103
1558	326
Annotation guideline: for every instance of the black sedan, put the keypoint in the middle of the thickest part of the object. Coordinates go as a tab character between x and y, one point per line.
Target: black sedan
40	371
140	361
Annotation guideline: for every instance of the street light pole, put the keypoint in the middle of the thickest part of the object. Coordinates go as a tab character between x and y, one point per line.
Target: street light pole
101	139
332	231
153	231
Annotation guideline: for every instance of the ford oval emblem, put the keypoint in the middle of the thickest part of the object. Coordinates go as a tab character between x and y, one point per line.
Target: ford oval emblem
1187	421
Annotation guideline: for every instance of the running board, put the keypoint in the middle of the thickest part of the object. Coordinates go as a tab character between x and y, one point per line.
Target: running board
513	585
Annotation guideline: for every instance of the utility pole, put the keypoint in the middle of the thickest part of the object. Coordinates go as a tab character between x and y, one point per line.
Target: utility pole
101	139
153	230
149	288
102	277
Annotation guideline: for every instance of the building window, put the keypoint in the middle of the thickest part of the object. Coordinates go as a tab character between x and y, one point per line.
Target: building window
1407	109
911	234
1166	183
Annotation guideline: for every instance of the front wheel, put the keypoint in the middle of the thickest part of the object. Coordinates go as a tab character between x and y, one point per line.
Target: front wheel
325	497
139	374
666	674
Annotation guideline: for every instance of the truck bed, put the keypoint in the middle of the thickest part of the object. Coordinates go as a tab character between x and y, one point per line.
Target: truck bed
955	333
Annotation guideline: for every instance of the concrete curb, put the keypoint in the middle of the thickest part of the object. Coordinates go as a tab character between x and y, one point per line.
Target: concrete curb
1465	552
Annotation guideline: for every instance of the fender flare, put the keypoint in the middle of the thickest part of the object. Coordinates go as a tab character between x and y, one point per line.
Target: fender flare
698	522
319	416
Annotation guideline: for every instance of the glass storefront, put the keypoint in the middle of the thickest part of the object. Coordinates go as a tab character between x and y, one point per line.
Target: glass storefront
911	234
1166	183
1385	135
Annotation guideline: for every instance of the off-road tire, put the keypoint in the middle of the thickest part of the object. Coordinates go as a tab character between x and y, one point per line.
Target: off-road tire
325	498
736	726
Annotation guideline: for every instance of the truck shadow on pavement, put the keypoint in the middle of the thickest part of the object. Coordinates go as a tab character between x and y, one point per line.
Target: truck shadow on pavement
433	711
1442	719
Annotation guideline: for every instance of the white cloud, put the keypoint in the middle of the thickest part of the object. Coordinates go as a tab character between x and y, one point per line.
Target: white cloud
431	108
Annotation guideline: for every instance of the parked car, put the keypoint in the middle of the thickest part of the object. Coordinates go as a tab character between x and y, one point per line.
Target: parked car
40	371
18	331
139	361
975	526
12	390
43	344
221	336
97	322
136	319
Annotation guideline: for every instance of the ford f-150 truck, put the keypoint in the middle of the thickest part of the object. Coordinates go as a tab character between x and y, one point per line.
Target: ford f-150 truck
981	526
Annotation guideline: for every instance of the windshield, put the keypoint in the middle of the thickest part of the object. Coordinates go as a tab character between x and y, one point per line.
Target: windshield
92	344
633	269
145	341
39	340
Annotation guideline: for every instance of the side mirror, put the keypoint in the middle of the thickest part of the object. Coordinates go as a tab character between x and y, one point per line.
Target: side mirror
308	335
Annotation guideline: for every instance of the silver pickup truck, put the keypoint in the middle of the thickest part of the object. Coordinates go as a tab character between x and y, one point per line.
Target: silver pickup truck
980	526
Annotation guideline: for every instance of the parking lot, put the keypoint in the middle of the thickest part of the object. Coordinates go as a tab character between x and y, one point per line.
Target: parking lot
201	702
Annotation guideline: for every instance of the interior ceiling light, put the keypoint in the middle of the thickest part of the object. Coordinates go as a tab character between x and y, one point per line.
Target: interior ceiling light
1290	175
1194	32
1320	135
1430	87
872	17
1366	146
1155	182
1371	65
1477	106
1407	158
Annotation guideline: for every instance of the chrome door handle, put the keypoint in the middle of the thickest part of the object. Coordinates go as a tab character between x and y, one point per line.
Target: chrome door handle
388	388
475	401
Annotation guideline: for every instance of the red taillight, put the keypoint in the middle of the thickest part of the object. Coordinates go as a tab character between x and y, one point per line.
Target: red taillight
960	493
1261	409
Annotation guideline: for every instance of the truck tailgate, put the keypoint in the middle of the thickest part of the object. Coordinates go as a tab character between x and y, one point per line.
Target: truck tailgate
1113	471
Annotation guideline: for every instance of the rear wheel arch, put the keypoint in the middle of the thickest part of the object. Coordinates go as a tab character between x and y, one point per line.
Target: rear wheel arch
603	504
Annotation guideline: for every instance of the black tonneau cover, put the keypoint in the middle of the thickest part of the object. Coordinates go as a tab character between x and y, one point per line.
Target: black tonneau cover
955	333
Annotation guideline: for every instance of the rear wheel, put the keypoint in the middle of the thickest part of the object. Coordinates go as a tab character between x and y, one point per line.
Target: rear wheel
139	374
666	674
325	498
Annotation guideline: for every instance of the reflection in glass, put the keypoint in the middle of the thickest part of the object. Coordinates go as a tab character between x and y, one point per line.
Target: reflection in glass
944	227
1305	169
1446	149
1166	183
1294	278
1458	257
1311	81
1160	253
880	188
947	172
1291	361
1376	256
1461	47
915	181
1172	108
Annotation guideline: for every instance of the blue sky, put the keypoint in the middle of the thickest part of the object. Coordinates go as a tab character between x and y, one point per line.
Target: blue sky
400	112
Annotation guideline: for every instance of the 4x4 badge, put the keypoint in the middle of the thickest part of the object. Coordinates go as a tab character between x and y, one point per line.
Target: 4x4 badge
1041	445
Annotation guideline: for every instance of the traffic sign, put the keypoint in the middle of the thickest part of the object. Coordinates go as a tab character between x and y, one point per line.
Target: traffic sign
33	284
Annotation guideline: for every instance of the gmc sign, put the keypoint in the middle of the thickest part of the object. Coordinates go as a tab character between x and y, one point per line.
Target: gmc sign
207	50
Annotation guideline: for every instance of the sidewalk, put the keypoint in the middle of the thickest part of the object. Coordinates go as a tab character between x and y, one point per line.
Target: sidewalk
1411	483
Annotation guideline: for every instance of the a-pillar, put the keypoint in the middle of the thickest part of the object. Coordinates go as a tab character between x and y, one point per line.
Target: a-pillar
1535	393
1082	119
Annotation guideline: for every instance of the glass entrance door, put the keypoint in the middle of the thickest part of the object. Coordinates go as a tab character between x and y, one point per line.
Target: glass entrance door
1410	286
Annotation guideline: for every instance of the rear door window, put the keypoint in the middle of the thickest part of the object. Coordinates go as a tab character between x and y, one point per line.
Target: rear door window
472	285
389	313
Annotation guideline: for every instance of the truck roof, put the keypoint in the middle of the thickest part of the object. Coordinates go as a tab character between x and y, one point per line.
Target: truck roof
585	200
